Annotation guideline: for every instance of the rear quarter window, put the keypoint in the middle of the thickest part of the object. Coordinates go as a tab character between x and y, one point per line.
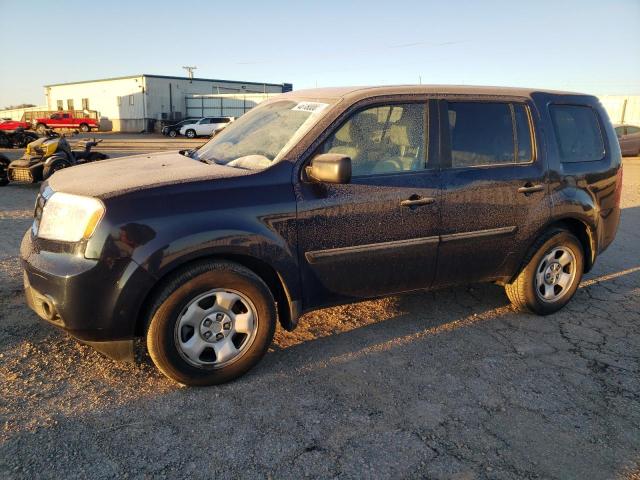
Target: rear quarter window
578	134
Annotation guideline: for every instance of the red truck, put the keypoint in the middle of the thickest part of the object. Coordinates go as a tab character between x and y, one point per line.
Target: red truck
65	120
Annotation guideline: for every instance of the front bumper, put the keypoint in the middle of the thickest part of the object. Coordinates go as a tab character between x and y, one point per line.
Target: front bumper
25	170
95	301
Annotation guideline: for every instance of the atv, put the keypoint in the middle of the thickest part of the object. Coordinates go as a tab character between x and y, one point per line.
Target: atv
18	138
46	156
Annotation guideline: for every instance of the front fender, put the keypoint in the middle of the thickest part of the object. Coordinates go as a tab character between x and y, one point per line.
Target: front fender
56	157
161	233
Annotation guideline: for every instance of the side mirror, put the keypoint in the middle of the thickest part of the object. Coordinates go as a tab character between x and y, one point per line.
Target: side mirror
329	168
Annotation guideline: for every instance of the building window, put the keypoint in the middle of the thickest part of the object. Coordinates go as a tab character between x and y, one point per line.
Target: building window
85	104
69	104
60	105
130	99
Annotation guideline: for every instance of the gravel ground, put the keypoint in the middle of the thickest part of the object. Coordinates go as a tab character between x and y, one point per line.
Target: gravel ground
445	384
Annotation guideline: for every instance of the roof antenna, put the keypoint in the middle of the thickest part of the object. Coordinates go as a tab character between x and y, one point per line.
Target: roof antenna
190	70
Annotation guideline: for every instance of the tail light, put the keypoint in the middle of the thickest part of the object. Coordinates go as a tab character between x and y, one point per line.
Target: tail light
618	193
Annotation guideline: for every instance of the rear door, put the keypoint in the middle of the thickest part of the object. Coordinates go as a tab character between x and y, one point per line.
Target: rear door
377	234
494	188
204	126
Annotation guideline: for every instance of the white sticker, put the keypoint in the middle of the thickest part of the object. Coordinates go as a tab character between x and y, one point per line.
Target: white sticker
311	107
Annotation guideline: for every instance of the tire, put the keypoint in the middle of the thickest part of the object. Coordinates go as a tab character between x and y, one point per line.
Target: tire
191	133
177	341
546	284
53	168
173	133
4	174
41	128
84	128
5	141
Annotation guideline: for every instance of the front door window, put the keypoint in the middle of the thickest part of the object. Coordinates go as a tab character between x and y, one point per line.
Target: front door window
382	140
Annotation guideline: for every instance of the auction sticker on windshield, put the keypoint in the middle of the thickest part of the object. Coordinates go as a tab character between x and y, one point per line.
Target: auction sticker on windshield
311	107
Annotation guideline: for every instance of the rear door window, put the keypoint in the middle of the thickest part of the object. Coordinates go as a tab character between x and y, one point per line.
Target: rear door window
577	132
489	133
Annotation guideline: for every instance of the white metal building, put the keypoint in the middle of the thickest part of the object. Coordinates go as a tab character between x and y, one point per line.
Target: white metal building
132	104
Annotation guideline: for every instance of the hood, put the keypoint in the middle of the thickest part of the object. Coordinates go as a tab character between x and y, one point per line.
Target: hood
108	178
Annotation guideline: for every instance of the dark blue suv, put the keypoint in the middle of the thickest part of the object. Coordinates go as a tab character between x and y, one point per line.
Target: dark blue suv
324	197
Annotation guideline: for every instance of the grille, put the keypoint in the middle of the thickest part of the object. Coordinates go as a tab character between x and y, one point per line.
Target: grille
20	175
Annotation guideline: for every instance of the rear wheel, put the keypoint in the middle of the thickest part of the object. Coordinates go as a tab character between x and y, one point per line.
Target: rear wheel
210	324
551	276
173	133
4	167
191	133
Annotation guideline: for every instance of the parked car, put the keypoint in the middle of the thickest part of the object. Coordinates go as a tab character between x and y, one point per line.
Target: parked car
205	126
629	138
174	129
65	120
324	197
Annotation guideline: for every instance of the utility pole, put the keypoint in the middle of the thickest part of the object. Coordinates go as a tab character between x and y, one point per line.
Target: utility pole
190	71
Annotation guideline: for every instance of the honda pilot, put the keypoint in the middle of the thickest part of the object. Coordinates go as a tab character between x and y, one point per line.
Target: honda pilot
323	197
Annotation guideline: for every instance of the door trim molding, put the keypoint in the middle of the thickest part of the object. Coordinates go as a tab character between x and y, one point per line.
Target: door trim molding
333	254
490	232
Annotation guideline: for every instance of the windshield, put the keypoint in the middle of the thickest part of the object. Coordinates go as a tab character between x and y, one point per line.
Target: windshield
258	139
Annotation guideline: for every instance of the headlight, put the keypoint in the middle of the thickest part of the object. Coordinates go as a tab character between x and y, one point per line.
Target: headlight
70	218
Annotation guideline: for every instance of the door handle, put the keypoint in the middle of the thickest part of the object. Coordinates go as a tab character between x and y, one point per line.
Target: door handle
416	202
528	188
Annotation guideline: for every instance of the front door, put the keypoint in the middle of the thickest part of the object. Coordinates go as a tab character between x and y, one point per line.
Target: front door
379	233
494	188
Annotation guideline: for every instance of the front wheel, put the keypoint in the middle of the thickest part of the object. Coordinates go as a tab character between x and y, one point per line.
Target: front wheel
84	127
210	323
41	128
191	133
551	276
25	140
173	133
53	168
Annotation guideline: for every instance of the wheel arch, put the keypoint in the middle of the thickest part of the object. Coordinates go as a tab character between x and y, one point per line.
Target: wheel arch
287	308
583	231
585	234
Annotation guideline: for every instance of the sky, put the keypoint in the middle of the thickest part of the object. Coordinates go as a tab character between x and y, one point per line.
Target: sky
587	45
